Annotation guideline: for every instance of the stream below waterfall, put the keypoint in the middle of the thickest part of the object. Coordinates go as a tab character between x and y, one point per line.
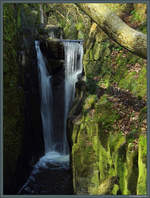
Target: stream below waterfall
52	174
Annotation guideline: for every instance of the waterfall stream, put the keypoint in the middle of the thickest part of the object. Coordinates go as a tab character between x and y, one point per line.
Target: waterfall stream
73	68
52	173
46	100
50	143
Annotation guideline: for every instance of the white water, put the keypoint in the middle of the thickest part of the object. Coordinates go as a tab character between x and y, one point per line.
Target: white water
52	157
73	67
46	100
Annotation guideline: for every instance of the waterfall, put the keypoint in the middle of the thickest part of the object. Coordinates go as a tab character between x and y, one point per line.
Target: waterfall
73	68
46	100
55	160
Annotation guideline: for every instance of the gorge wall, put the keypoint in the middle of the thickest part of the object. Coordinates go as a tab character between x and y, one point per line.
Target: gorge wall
23	138
109	131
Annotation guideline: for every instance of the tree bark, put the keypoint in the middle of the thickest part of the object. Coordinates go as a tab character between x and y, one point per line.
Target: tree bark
115	28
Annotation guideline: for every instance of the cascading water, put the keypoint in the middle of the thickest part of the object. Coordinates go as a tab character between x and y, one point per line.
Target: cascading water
50	143
73	68
46	100
52	173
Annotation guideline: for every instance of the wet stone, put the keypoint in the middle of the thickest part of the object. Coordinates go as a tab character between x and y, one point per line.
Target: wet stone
50	180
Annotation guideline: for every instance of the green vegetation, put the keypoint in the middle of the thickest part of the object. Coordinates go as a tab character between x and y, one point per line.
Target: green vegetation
107	141
101	151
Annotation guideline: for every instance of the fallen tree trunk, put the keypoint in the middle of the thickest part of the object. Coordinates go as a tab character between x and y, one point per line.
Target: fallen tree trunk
115	28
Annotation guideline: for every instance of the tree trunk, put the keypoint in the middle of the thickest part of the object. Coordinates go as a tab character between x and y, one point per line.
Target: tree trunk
115	28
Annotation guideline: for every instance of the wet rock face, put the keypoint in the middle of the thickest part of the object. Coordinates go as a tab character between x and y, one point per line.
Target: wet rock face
55	179
33	125
51	31
33	144
54	31
53	51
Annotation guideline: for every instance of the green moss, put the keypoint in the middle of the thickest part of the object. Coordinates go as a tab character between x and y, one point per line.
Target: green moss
132	157
107	150
98	51
106	187
122	170
138	14
105	113
94	182
136	86
116	141
115	189
142	177
85	157
102	151
141	85
89	102
119	8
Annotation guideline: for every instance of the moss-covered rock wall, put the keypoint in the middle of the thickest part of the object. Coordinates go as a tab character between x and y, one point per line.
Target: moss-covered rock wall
18	18
13	96
109	132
